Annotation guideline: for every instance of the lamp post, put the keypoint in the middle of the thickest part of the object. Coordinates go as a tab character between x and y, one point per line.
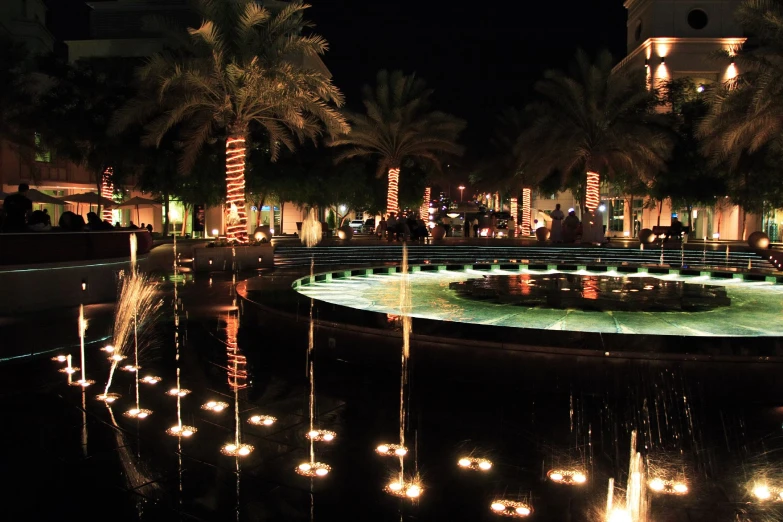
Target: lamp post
461	188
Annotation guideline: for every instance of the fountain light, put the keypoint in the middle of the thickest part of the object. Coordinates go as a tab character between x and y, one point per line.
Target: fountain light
236	450
181	431
138	413
108	348
130	368
262	420
82	382
178	392
619	515
570	477
475	463
320	435
216	406
108	398
60	358
150	379
69	370
762	492
391	450
116	357
511	508
404	489
669	487
313	469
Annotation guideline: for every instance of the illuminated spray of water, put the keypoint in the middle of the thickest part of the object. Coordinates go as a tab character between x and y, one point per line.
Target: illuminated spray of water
636	508
312	231
83	382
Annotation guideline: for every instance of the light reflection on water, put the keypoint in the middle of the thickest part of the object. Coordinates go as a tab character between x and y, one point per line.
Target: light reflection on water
756	307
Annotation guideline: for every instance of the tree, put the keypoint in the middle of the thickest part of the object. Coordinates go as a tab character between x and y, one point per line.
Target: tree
17	93
596	122
399	125
235	72
746	113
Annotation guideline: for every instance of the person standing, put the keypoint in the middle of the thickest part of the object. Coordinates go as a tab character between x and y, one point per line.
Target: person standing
557	224
18	208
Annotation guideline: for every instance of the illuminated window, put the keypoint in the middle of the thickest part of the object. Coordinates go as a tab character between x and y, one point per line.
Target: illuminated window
42	154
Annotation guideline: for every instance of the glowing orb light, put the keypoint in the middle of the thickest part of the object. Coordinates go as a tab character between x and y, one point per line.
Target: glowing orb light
234	450
391	450
404	489
216	406
138	413
262	420
668	487
619	515
475	463
569	477
181	431
313	469
178	392
130	368
762	492
511	508
82	382
321	435
60	358
108	397
150	379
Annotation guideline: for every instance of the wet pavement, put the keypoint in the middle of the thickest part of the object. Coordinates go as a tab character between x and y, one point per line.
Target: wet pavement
70	456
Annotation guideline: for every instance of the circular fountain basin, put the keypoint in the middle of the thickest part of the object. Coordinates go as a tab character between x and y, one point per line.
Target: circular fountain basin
593	301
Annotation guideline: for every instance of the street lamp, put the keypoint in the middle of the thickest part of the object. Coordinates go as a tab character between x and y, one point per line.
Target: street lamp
461	188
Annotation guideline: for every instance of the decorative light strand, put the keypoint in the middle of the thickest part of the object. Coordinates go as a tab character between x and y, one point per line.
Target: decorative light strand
107	191
514	215
425	206
392	194
592	195
526	197
236	219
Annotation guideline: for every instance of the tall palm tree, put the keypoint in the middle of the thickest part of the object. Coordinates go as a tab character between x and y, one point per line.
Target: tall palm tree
399	125
595	122
234	73
746	113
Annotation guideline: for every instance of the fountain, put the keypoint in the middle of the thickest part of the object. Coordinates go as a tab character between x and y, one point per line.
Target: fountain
636	508
83	382
237	379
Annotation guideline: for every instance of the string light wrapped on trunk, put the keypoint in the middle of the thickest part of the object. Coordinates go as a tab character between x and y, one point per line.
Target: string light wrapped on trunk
107	191
392	201
425	207
526	201
236	222
592	195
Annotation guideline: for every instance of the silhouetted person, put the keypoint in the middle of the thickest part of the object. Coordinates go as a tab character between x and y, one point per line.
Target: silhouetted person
95	224
570	227
17	207
675	230
48	217
132	226
70	222
149	228
39	221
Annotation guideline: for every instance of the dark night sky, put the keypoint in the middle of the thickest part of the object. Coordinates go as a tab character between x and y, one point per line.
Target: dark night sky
478	58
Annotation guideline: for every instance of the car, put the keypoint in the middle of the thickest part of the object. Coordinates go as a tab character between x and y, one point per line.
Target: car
356	225
369	226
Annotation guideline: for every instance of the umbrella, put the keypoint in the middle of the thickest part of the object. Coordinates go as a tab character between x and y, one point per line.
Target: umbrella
91	198
139	202
36	196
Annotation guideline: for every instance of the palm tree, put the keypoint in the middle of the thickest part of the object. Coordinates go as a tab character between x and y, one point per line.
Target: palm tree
399	125
234	73
746	113
596	122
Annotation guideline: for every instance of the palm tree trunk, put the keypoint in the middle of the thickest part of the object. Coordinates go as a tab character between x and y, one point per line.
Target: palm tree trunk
236	222
592	190
282	207
660	209
166	214
392	193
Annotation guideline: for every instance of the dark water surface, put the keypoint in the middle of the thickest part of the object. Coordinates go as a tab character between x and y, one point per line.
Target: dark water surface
65	456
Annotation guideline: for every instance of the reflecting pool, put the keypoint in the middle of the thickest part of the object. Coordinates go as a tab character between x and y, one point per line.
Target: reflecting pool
599	302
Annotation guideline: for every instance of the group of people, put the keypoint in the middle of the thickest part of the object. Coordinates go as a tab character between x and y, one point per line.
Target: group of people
401	228
565	228
17	215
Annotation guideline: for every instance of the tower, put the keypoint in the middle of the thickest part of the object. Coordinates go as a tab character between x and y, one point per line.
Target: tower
674	39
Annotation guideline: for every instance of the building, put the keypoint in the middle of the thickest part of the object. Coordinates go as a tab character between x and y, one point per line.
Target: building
25	21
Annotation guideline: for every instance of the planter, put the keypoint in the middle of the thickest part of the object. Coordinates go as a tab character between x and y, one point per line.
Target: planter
542	234
438	232
758	240
345	233
208	259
